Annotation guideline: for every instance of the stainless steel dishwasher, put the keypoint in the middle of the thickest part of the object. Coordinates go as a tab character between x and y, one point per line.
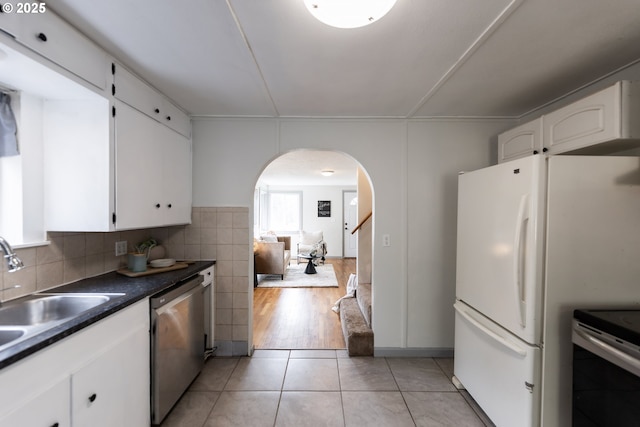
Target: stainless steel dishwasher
177	343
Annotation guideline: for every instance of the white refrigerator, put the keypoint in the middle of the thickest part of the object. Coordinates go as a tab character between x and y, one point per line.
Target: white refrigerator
537	238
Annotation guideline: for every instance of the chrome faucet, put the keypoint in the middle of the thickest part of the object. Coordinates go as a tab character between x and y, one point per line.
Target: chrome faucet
13	262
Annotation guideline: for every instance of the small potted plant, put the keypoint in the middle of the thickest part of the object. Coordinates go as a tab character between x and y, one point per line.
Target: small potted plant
137	259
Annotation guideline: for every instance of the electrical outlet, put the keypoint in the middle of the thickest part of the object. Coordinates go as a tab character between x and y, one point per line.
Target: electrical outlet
121	247
386	240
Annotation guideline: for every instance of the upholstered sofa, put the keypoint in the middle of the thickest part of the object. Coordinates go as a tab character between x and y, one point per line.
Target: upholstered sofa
272	257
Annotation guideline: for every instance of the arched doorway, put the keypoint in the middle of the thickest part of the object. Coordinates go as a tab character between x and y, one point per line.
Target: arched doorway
292	317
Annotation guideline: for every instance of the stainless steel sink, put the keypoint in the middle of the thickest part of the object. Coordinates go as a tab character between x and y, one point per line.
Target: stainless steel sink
23	318
9	335
49	308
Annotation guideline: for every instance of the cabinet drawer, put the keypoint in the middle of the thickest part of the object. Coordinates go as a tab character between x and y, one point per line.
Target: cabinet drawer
521	141
57	41
131	90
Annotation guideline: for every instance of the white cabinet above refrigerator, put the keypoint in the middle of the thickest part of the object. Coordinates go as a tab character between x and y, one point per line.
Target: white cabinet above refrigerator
604	122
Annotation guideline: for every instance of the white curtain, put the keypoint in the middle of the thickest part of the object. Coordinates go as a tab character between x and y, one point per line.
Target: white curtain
8	128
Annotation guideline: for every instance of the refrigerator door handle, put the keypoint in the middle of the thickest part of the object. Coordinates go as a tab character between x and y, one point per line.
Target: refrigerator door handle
519	255
493	335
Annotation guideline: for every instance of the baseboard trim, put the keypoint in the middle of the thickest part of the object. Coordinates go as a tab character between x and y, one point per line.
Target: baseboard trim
231	348
412	352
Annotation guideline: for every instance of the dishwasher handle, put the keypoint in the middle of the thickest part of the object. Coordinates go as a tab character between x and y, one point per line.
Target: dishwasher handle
169	305
170	296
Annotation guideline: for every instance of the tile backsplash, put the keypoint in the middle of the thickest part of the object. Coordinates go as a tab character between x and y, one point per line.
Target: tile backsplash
215	233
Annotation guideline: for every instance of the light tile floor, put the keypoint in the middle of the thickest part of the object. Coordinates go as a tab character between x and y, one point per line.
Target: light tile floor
324	388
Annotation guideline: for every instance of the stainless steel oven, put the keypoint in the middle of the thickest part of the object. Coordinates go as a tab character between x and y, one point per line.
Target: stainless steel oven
177	343
606	368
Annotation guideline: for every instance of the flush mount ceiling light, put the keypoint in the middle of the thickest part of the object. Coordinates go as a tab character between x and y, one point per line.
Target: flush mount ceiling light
349	13
327	172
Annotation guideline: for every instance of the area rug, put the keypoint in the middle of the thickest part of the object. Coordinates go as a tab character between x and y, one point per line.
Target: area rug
296	278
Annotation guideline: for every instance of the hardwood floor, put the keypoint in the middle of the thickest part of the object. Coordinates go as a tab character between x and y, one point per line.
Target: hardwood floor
300	318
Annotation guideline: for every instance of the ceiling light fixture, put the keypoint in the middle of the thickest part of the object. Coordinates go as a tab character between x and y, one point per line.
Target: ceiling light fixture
327	172
349	13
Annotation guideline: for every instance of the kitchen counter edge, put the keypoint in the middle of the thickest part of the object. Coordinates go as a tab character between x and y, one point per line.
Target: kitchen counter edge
133	288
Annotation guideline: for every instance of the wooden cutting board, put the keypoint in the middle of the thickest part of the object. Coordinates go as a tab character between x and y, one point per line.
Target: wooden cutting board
152	270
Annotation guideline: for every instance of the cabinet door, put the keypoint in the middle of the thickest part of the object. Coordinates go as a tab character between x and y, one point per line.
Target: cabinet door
138	94
520	141
134	92
589	121
173	117
57	41
139	164
153	172
176	178
113	389
49	408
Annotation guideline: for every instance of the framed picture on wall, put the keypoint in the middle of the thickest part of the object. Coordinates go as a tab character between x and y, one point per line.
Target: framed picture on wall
324	208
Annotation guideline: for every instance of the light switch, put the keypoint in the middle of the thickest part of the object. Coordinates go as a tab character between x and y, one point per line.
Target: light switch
386	240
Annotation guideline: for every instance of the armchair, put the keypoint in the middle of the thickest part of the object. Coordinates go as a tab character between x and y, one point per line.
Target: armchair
272	257
310	241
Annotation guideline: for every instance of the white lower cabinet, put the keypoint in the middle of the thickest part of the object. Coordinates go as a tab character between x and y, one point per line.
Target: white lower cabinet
96	377
105	393
48	409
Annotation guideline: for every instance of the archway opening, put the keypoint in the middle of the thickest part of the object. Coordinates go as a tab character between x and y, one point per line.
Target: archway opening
293	199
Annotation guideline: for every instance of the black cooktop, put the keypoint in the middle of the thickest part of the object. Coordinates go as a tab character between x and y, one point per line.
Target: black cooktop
624	324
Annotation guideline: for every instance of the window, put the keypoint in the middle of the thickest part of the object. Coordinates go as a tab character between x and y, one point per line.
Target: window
21	176
285	211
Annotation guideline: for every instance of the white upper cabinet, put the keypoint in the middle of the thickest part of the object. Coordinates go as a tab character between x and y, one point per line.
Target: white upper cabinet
153	156
603	123
153	177
521	141
9	22
50	36
131	90
609	116
116	152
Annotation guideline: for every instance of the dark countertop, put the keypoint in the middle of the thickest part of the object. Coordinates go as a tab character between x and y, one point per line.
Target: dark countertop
135	289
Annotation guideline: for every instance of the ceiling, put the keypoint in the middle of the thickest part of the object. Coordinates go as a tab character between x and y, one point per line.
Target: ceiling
425	58
303	167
